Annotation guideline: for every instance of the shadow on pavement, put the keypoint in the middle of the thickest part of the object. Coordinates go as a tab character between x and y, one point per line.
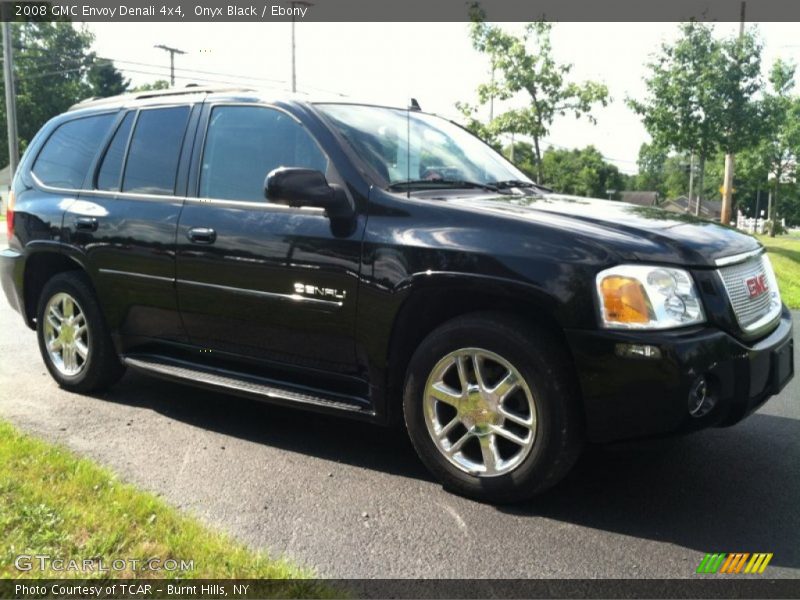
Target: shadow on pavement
725	490
329	437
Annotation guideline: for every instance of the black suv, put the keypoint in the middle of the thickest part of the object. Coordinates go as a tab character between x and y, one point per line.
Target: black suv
384	264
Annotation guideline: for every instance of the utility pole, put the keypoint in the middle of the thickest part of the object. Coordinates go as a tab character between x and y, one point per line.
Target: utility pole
727	186
172	53
691	182
294	64
11	100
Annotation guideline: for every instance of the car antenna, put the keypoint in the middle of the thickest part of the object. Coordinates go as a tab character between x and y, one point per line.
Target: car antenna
414	105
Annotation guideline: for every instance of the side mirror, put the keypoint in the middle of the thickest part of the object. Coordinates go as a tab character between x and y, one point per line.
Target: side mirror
307	187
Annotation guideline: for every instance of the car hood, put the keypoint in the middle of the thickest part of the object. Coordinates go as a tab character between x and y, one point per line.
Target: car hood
640	233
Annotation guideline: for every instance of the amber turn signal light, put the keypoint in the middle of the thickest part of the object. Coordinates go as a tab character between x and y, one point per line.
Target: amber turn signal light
625	301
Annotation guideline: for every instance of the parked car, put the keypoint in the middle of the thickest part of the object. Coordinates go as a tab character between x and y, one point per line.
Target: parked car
383	264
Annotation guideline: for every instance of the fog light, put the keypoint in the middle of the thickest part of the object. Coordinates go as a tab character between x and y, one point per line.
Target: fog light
701	401
638	351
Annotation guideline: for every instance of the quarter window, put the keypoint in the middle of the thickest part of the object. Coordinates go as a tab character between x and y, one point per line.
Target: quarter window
244	143
155	148
108	178
68	152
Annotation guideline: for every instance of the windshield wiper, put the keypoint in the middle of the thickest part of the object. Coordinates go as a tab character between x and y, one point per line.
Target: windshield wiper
450	183
518	183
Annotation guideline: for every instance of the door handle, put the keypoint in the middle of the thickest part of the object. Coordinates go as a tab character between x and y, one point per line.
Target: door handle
86	224
201	235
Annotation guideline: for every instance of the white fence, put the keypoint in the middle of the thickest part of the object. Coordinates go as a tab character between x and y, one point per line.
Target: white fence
753	225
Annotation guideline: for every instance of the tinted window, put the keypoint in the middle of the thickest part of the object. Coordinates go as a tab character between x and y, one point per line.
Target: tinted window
65	158
244	143
155	149
108	177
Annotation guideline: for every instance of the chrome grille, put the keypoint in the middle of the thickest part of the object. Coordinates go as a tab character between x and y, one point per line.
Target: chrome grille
750	312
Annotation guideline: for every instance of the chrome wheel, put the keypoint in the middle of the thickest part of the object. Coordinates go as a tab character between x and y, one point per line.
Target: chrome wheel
66	334
480	412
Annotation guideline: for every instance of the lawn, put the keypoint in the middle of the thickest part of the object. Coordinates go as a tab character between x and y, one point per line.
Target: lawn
55	503
784	252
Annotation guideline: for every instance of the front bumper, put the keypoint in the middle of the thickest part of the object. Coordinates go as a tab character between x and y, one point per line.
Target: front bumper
12	270
629	397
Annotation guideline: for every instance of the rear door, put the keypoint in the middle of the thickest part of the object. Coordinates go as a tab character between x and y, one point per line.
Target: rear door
124	224
258	279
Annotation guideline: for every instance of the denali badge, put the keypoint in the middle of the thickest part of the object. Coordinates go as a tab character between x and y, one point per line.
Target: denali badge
756	285
319	292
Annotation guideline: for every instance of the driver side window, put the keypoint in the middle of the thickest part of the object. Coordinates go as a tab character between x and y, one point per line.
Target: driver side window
244	143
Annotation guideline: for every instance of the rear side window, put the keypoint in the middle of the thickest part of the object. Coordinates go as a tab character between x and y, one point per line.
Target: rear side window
155	148
65	158
244	143
110	174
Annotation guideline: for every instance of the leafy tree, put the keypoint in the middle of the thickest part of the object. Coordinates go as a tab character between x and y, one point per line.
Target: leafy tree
525	65
780	148
651	169
701	94
159	84
106	80
523	157
53	70
581	172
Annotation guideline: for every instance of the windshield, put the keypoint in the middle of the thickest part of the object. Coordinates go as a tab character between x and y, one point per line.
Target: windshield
416	149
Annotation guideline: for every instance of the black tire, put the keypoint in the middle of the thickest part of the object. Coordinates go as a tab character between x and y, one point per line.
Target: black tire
102	366
541	359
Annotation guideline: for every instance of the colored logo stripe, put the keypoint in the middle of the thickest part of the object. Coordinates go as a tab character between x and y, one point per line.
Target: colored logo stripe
734	563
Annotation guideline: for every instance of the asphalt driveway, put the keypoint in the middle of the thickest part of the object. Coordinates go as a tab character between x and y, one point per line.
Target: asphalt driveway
352	500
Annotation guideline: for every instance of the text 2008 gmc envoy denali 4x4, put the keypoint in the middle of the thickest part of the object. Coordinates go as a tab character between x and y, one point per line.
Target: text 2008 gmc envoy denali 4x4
387	265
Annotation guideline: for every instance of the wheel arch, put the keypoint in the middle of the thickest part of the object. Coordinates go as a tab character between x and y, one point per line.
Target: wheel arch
433	300
41	265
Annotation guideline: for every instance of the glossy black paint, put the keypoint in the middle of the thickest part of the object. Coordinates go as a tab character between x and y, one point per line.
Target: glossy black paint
223	283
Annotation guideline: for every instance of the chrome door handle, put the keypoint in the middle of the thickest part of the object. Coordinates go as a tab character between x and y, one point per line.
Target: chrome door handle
201	235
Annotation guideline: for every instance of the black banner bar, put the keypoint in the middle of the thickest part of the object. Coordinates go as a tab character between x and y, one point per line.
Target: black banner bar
398	11
161	589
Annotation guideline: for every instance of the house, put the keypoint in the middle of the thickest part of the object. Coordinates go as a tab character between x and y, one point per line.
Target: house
709	209
640	198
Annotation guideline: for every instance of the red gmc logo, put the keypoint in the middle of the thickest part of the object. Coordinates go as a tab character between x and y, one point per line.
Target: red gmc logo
756	285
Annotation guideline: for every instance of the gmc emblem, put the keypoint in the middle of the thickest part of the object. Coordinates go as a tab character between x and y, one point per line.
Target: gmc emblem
756	285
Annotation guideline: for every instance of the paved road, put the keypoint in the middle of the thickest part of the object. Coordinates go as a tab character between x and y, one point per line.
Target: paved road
351	500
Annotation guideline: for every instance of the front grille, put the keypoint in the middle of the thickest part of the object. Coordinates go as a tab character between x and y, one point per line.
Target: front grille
749	310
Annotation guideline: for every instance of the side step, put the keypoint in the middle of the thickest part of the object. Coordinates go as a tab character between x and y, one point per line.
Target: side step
243	384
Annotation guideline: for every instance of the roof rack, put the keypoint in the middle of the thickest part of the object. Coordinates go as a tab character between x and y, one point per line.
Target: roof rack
189	89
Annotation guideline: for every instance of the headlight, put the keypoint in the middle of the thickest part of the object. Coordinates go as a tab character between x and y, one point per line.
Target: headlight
646	297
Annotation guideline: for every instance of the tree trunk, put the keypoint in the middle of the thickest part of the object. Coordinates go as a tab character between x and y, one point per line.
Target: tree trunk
773	206
538	159
700	178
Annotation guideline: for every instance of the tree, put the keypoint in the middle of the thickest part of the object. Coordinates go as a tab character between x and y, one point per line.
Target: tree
106	80
581	172
651	163
532	72
701	94
159	84
771	165
53	70
523	157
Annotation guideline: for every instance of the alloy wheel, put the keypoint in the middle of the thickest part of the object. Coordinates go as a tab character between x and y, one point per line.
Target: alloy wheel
66	334
480	412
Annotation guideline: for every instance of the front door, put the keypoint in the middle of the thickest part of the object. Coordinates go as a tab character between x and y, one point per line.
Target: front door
258	279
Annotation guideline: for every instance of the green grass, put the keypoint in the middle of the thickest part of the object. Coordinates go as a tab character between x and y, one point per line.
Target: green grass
784	251
55	503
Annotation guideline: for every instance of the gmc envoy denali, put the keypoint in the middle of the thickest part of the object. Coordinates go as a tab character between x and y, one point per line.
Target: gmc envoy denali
384	264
